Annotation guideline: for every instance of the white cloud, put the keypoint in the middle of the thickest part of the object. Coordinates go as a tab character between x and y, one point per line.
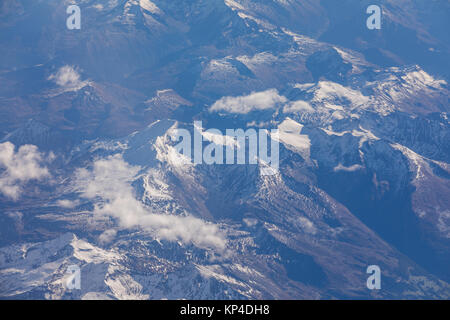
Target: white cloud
99	7
107	236
307	225
352	168
17	168
109	182
68	78
67	203
298	106
244	104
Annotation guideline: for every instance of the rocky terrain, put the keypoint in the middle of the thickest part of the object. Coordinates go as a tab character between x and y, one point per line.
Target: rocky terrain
90	174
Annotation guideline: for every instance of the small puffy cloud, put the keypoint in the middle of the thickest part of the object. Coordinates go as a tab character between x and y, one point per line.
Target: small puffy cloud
17	168
352	168
149	6
109	183
99	7
107	236
263	100
67	77
298	106
307	225
69	204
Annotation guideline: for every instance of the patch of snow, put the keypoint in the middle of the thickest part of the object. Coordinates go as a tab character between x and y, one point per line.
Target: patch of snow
417	162
220	139
331	92
214	271
290	135
149	6
365	135
155	188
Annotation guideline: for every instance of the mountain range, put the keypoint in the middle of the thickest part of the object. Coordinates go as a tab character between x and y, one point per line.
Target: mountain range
90	174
